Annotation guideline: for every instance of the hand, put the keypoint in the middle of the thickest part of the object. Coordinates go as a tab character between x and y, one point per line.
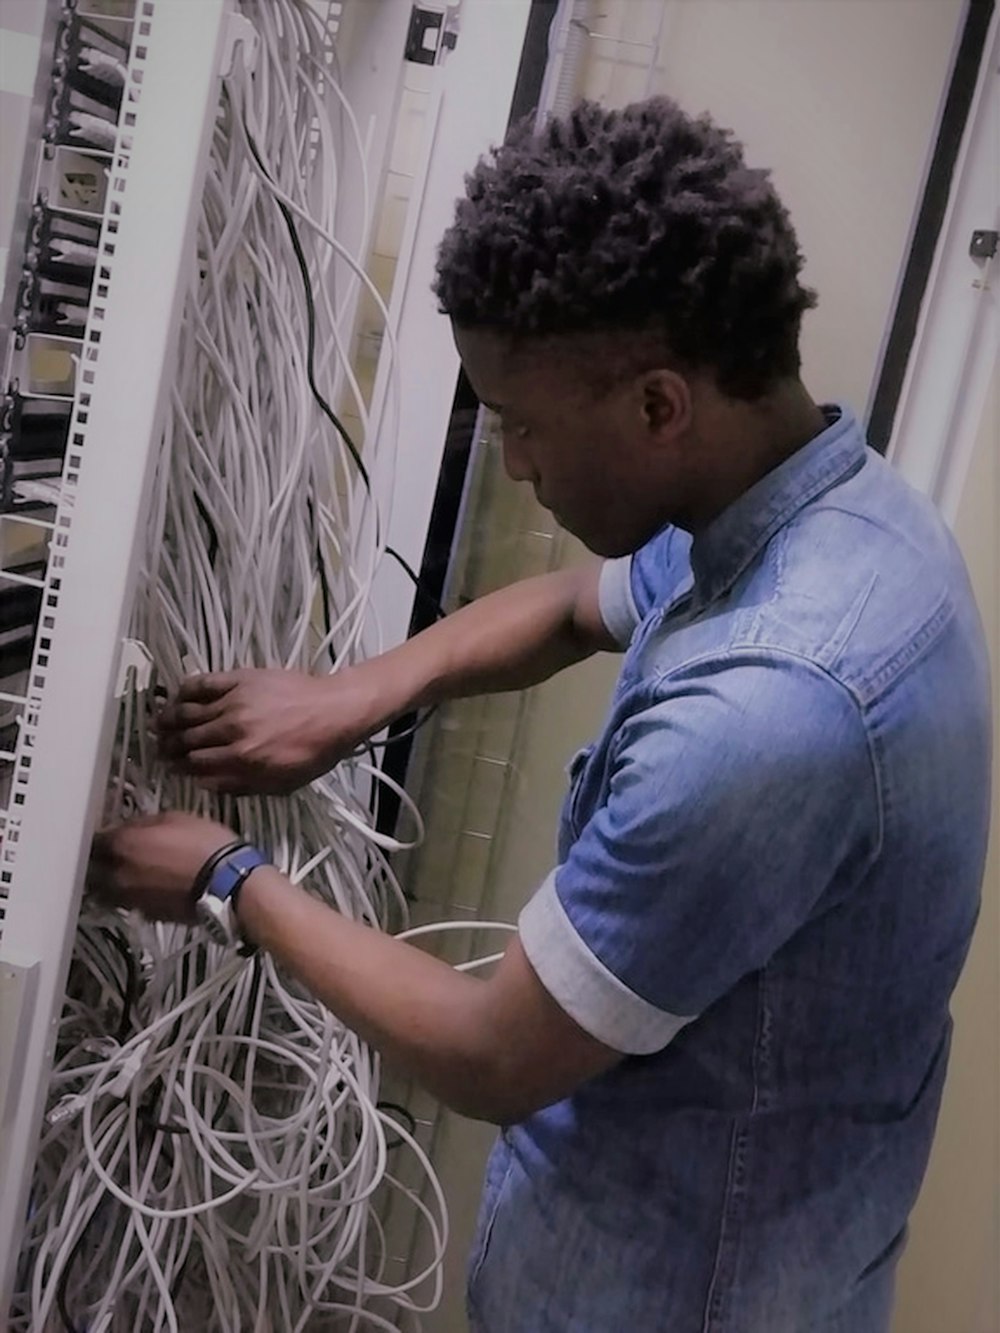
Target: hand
150	864
262	731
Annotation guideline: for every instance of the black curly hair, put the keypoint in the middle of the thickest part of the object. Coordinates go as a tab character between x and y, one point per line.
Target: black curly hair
643	219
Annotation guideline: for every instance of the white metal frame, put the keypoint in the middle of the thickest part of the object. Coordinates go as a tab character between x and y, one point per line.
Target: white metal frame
476	90
128	352
958	334
126	367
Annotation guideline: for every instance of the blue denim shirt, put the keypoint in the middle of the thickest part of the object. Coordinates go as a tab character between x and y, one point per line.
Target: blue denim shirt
768	873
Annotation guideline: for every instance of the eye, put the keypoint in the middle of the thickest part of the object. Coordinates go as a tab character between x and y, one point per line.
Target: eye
519	430
515	429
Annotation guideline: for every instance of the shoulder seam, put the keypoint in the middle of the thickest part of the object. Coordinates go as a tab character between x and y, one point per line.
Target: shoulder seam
733	653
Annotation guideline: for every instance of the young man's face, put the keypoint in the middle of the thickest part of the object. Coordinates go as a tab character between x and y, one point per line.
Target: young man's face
585	453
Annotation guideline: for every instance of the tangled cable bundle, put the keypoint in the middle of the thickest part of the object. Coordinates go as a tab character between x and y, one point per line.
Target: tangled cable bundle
215	1156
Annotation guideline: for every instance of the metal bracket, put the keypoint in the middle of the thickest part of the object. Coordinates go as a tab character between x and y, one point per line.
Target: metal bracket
135	667
432	33
239	32
424	36
983	244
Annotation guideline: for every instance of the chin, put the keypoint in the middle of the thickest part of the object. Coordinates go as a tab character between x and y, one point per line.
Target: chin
614	550
607	545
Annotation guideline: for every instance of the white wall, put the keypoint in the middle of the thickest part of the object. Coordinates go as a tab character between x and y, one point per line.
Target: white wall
949	1277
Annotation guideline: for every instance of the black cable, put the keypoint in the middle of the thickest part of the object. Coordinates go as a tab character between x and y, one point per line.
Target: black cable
404	1114
130	990
213	536
300	259
130	994
432	602
324	583
409	730
323	405
145	1114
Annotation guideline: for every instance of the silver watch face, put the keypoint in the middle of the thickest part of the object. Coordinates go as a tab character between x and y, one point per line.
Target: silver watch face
216	915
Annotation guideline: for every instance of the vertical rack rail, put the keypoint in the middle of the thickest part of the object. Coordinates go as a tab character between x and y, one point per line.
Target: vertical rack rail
123	372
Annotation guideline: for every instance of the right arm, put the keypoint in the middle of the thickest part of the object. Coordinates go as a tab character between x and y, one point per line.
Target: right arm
273	730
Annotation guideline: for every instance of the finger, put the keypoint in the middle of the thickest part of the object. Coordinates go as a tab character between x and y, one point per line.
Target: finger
176	720
216	735
207	688
218	770
215	761
179	715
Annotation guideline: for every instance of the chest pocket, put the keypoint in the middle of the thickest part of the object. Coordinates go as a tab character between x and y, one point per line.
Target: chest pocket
575	811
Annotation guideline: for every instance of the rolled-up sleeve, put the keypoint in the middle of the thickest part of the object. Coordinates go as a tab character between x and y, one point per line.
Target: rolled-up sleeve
738	796
631	587
618	608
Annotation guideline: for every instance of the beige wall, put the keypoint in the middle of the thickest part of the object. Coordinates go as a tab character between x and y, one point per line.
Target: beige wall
840	97
949	1278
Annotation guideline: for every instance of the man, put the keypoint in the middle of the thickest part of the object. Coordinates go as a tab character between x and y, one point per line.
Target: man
718	1041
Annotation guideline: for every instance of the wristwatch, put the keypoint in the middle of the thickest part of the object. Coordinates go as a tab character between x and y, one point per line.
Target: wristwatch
216	888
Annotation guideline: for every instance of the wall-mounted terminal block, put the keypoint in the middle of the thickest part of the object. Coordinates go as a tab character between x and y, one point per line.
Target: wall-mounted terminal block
24	556
49	306
48	366
65	248
24	547
59	263
11	721
6	783
46	305
80	121
20	606
88	80
74	183
24	553
33	436
98	59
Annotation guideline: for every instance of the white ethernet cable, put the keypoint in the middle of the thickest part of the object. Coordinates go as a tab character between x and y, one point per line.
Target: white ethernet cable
215	1155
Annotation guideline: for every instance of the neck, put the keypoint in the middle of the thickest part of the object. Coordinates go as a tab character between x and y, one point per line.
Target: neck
738	443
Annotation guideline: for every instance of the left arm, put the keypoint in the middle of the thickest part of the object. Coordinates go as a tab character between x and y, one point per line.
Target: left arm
494	1049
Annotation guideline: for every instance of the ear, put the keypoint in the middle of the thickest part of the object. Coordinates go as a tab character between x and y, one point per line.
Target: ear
666	406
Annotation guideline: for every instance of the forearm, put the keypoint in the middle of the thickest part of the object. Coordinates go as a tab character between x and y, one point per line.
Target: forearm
508	640
428	1020
495	1048
274	730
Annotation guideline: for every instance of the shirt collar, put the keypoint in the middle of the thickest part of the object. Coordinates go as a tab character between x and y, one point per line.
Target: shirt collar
723	550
